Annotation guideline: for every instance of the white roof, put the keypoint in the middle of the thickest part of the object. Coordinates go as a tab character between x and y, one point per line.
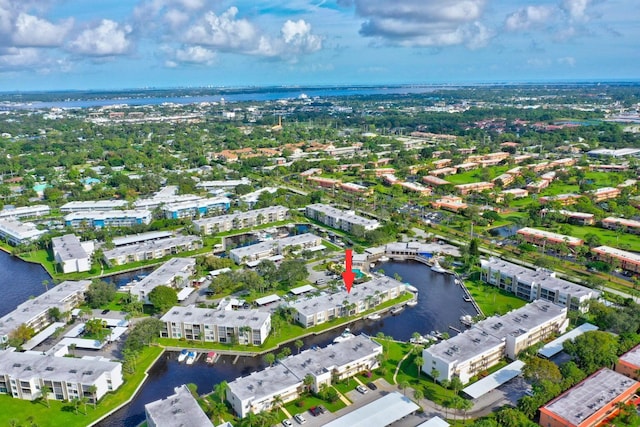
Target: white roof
435	422
495	380
302	289
268	299
379	413
555	346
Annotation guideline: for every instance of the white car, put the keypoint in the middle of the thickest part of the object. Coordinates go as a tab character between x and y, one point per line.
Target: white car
362	389
299	418
287	422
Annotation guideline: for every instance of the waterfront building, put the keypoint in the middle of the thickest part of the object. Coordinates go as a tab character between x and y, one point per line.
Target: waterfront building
112	218
417	250
17	233
71	254
628	225
25	211
279	247
629	261
196	208
173	273
256	392
166	196
238	220
344	220
530	284
93	206
179	409
22	376
323	308
590	402
151	249
34	312
542	237
487	342
247	327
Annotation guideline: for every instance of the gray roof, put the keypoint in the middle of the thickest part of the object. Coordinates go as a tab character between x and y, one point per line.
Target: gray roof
465	346
302	289
166	273
68	247
347	216
229	318
592	394
179	409
240	215
300	239
379	413
141	237
20	230
151	245
519	321
91	205
540	276
25	366
293	369
632	356
315	304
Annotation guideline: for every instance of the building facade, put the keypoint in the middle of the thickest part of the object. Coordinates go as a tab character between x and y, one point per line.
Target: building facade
72	255
174	273
112	218
238	220
343	220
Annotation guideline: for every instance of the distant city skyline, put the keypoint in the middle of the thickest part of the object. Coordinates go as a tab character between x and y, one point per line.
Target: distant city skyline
76	44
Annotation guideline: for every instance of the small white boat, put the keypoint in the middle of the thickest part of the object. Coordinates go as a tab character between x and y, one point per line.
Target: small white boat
412	303
466	320
397	310
191	357
410	287
384	258
437	267
345	335
374	316
372	265
467	298
182	355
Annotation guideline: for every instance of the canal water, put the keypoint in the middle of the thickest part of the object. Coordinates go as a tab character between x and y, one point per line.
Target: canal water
440	305
19	280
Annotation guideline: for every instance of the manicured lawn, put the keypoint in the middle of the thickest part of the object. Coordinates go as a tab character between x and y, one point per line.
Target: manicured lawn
301	405
607	237
476	175
63	414
491	299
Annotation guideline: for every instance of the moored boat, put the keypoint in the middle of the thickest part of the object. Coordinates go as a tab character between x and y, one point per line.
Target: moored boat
436	267
191	357
345	335
374	316
397	310
182	355
412	303
211	357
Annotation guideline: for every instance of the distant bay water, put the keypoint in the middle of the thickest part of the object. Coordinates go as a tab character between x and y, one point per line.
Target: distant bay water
19	280
87	100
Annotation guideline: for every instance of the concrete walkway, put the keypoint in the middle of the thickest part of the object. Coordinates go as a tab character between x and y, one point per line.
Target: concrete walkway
395	374
286	412
341	396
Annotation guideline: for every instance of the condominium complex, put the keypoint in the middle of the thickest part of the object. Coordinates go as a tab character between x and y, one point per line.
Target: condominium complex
238	220
248	327
589	403
629	363
541	237
173	273
179	409
25	211
531	284
93	206
256	392
270	248
16	233
196	208
35	312
71	254
628	225
343	220
323	308
22	375
626	260
112	218
151	249
488	341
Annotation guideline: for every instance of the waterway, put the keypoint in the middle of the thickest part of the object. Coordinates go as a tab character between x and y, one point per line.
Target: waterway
440	305
19	280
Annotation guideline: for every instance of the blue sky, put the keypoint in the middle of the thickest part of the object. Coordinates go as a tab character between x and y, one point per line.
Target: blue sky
111	44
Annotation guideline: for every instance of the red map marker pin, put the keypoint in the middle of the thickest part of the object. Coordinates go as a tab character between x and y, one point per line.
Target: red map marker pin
348	276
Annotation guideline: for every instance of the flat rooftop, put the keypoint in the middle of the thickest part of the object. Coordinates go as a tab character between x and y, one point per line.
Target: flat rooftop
632	356
495	380
379	413
549	235
68	247
240	215
141	237
230	318
591	395
556	346
160	244
179	409
465	346
619	253
521	320
347	216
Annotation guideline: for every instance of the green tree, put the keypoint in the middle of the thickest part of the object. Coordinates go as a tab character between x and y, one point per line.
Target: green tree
163	298
220	390
593	350
538	369
54	314
403	386
93	390
299	344
435	374
269	358
21	335
143	333
96	328
45	390
100	293
419	361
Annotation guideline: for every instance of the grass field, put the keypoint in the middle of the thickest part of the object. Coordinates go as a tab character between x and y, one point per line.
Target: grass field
491	299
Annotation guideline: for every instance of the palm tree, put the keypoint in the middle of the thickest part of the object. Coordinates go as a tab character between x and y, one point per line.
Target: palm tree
419	361
465	405
93	390
435	374
84	401
216	409
45	283
308	381
298	344
220	390
45	390
403	385
76	404
277	401
72	348
418	395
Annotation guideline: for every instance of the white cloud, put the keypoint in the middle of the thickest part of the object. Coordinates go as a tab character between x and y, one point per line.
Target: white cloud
576	9
530	16
223	32
106	39
297	34
567	60
36	32
420	23
191	55
18	58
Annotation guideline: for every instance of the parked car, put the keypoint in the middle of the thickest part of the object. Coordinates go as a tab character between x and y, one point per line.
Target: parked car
315	411
300	419
372	386
322	409
287	423
105	311
362	389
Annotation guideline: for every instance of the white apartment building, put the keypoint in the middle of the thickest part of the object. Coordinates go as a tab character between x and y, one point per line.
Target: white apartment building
270	248
112	218
22	376
238	220
71	254
151	249
337	218
255	392
174	273
323	308
531	284
34	312
487	342
16	233
179	409
247	327
25	211
93	206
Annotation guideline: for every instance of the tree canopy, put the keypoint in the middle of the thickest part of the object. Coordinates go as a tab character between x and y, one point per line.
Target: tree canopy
163	297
